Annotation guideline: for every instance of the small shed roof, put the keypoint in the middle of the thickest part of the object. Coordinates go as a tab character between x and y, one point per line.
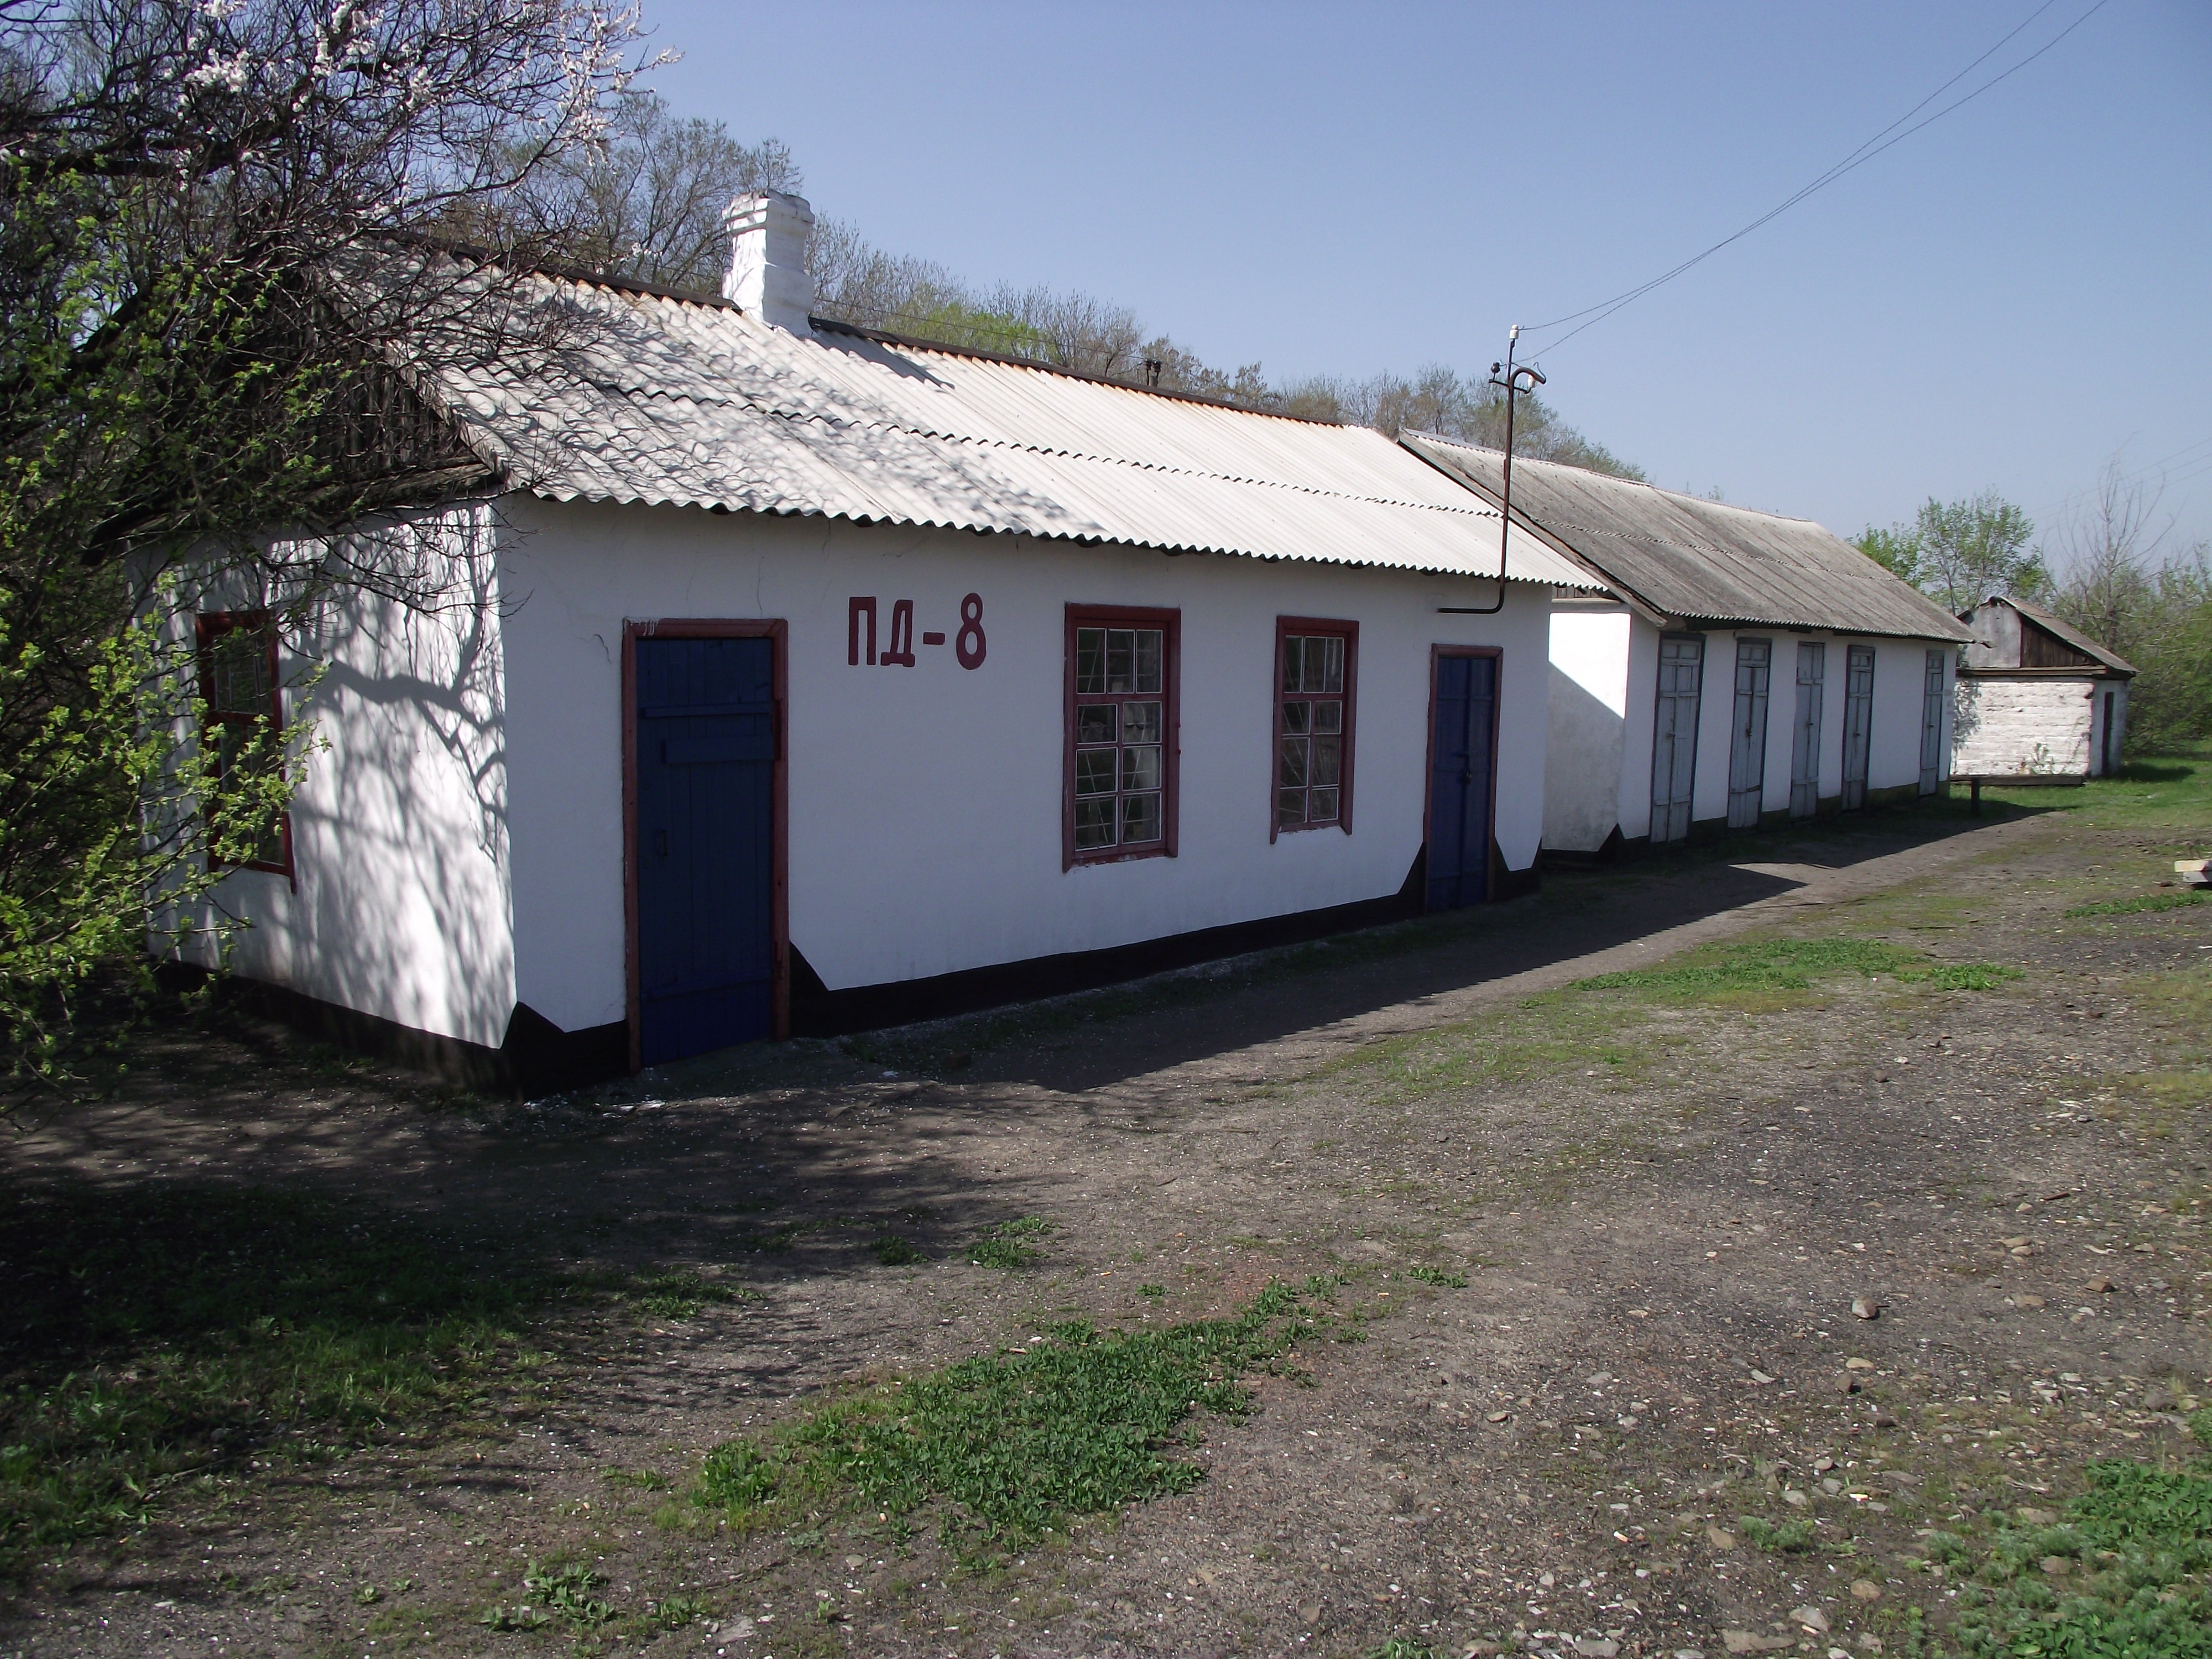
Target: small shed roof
1700	560
2064	631
660	397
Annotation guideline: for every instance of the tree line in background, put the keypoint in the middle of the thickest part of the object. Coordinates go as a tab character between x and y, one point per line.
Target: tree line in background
649	204
2114	569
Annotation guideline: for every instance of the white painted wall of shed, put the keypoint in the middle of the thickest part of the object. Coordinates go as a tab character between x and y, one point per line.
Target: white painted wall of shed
2042	727
1582	649
399	815
1583	794
1894	741
925	828
1641	705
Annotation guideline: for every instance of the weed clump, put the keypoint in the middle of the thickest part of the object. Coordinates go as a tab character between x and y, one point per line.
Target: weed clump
2143	905
895	1252
571	1591
1005	1446
678	1295
1789	1538
1008	1245
1438	1277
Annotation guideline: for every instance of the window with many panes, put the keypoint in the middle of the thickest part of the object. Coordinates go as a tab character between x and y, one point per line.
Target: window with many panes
1315	671
1121	796
244	712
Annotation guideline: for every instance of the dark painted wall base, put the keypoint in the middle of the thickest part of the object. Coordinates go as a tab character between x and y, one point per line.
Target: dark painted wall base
1618	848
1569	858
536	1055
818	1011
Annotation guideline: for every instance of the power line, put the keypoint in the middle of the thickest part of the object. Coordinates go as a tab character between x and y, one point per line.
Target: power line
1858	158
2193	468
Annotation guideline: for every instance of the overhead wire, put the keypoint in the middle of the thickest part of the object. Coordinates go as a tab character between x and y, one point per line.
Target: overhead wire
1888	136
2195	467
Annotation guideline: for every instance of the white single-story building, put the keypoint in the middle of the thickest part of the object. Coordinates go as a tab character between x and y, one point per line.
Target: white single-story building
2038	701
796	678
1746	669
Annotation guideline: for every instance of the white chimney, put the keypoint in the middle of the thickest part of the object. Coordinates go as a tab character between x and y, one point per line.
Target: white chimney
768	274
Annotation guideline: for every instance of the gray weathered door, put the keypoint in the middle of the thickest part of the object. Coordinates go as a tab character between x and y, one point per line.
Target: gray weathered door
1805	730
1931	724
1674	735
1747	737
1859	724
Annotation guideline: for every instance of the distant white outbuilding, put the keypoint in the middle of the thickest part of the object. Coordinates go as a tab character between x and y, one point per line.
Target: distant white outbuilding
2038	701
797	678
1747	669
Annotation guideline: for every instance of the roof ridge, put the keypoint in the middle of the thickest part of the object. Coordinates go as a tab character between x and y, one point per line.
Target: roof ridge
1615	479
915	342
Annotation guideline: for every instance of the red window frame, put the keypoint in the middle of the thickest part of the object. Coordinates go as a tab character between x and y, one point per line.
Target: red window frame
1287	630
210	626
1169	624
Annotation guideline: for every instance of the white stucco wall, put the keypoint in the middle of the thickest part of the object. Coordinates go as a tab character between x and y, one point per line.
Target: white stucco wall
398	906
2043	725
1893	739
1583	649
925	802
1590	697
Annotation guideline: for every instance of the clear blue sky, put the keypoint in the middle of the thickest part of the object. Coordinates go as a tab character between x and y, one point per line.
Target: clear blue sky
2002	301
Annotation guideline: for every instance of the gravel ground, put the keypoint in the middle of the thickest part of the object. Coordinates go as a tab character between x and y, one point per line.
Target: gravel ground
1664	1211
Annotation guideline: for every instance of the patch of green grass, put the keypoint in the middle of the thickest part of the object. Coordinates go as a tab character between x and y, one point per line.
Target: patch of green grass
2128	1576
1786	1538
1760	968
895	1252
1438	1277
1405	1647
1153	1291
1005	1446
177	1335
1008	1245
2144	904
163	1333
677	1295
1543	1036
2168	791
1961	976
642	1480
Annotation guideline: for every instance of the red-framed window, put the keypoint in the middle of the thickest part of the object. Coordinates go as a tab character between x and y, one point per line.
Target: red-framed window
1316	685
245	708
1123	670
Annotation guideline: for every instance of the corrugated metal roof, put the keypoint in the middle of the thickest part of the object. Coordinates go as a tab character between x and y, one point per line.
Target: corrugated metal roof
2065	630
659	399
1700	560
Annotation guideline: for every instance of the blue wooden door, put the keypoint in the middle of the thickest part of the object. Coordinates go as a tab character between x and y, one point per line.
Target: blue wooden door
1462	768
706	844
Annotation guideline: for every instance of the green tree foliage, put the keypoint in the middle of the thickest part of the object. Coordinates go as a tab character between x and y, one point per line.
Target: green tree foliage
2128	587
860	283
189	364
1959	553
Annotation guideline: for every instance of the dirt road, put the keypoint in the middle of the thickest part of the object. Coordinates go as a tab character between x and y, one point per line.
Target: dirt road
1593	1257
